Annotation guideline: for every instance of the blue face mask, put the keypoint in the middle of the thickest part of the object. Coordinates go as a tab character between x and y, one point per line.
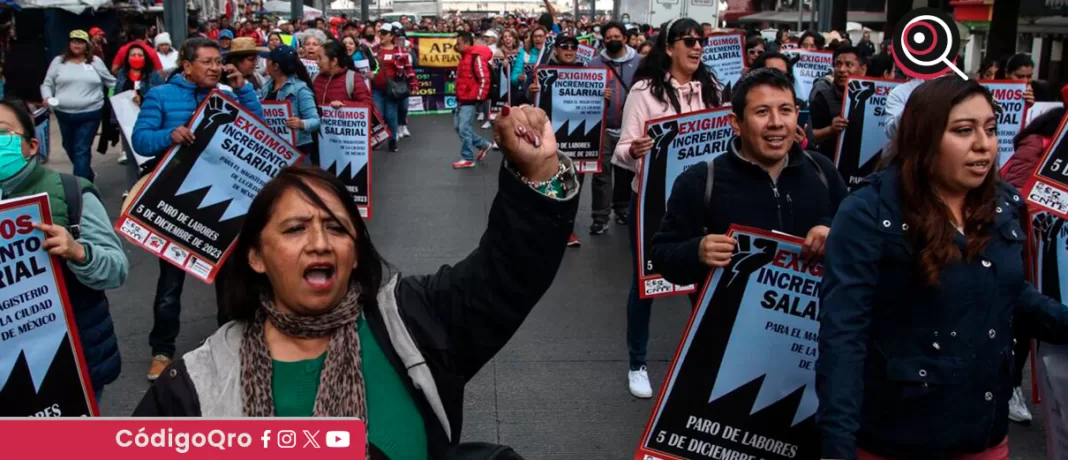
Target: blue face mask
11	159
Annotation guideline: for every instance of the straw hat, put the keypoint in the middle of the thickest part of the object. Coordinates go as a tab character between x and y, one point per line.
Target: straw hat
245	45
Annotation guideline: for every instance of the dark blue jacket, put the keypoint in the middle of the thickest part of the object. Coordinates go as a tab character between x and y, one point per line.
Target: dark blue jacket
909	371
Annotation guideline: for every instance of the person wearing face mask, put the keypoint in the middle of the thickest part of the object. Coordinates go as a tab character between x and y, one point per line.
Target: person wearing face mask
622	63
139	75
92	258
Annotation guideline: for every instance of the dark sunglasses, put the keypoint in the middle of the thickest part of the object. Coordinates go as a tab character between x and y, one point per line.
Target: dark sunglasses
567	46
384	32
690	42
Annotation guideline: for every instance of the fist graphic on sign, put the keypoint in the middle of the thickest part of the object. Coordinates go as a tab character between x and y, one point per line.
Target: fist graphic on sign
218	113
546	77
662	135
863	90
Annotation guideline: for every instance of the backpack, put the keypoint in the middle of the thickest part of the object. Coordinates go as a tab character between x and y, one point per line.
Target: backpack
72	192
712	176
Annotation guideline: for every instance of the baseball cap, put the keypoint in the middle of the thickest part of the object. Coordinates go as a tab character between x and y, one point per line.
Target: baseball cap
79	34
490	33
280	53
387	27
565	38
226	33
95	31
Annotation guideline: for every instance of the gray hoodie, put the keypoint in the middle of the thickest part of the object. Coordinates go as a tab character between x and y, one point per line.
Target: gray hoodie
77	87
624	68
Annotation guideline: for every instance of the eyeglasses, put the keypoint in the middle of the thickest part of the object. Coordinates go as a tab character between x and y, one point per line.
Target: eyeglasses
383	32
567	46
7	137
690	41
210	62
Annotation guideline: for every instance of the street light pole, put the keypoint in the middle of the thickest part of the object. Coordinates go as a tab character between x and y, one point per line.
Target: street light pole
296	9
176	20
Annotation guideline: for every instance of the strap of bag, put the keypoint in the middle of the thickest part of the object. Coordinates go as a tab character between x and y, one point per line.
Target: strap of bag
819	169
72	194
350	82
619	78
674	98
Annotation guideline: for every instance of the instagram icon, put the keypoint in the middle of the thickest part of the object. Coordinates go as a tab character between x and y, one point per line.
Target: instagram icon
287	439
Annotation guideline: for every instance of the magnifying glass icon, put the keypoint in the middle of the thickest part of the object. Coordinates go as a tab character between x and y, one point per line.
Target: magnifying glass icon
944	58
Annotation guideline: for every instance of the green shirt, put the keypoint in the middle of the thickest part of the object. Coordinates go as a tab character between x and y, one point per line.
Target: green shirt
395	425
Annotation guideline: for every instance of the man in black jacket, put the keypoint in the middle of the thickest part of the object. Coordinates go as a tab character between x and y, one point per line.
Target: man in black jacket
765	180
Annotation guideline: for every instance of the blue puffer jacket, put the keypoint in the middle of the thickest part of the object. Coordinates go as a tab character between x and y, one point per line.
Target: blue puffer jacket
911	371
172	105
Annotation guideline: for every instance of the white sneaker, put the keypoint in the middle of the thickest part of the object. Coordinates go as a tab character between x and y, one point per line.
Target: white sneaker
122	158
404	129
1018	411
481	116
487	125
639	383
495	146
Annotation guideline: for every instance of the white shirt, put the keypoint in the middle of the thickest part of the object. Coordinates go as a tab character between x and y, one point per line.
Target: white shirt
895	104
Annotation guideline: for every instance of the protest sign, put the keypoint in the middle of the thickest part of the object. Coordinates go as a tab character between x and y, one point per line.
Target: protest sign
501	89
435	69
42	120
1012	112
1040	108
345	150
585	53
1048	187
860	146
1048	249
312	66
42	367
724	56
192	206
809	67
679	142
379	130
574	99
126	112
275	113
742	383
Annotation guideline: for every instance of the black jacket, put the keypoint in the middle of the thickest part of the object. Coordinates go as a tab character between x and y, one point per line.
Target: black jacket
743	193
910	371
457	318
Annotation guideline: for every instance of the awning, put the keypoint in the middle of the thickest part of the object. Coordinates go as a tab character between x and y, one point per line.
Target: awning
1056	2
790	17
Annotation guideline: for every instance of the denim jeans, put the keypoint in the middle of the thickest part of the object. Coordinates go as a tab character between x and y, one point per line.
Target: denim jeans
78	131
166	309
388	108
602	182
402	112
638	310
470	142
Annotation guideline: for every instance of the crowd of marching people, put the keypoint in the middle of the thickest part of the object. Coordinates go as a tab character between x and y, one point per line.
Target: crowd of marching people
936	229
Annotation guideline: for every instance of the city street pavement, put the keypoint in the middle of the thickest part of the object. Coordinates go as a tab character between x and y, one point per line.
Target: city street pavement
558	390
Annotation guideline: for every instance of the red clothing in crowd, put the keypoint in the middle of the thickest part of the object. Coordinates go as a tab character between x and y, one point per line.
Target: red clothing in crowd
120	57
254	34
330	88
473	75
392	63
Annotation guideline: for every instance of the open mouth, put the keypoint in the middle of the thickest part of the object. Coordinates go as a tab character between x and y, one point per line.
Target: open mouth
978	166
695	59
320	275
775	141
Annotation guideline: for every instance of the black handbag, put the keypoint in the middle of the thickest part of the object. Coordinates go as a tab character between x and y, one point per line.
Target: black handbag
397	89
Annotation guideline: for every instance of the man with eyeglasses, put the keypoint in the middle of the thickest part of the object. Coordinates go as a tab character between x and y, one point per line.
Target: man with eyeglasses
161	124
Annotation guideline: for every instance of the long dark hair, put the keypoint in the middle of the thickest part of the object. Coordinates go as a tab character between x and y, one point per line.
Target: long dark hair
242	303
1044	125
655	65
334	49
1013	62
917	147
22	114
150	65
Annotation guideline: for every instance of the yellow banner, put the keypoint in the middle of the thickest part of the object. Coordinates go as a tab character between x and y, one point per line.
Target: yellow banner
438	52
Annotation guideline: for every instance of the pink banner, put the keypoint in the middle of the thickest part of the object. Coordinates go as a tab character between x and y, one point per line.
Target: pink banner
203	439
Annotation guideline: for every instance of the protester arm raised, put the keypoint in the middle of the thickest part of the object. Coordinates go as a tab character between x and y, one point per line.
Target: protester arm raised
851	271
482	300
108	266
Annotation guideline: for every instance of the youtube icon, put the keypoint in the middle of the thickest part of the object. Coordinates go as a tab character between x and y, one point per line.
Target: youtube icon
337	439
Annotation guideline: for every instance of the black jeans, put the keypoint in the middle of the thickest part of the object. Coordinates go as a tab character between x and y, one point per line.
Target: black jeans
166	309
621	190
